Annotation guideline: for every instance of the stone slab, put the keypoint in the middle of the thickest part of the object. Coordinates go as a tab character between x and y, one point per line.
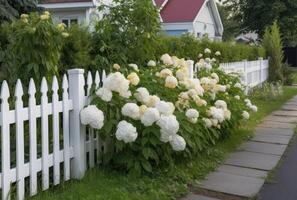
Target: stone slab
285	113
289	107
291	103
233	184
274	131
281	125
282	119
266	148
253	160
271	138
192	196
242	171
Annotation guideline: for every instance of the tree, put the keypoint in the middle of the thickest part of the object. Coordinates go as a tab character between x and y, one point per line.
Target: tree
231	26
257	15
273	45
11	9
127	32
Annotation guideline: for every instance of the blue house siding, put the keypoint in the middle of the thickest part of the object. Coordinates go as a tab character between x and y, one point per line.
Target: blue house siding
176	32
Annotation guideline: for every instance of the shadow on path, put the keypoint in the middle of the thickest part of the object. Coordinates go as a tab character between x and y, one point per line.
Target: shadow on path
283	185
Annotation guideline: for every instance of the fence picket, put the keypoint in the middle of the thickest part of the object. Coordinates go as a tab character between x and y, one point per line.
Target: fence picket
20	147
56	131
66	129
33	137
98	141
91	131
44	134
5	142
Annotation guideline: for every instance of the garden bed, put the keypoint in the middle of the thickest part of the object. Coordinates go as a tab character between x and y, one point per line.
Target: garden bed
102	183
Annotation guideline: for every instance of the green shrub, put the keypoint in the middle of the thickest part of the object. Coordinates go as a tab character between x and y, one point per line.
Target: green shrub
189	47
126	32
166	89
76	51
274	48
33	48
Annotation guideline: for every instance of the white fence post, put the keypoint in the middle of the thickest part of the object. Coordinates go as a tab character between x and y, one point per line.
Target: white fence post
261	66
246	76
191	69
77	130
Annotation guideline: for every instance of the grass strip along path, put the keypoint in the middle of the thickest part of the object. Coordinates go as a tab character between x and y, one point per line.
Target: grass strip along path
104	184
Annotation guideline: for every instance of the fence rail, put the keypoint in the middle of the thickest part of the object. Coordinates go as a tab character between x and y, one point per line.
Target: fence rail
253	73
44	142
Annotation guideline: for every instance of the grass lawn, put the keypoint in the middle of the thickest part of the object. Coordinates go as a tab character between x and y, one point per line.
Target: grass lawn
103	184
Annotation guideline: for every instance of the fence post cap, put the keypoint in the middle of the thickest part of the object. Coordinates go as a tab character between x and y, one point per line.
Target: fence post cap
76	71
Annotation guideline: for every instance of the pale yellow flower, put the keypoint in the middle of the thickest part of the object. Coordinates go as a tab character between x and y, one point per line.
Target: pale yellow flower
171	82
133	78
116	66
65	35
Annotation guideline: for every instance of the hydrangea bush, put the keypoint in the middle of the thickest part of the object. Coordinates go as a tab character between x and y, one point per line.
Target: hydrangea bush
157	115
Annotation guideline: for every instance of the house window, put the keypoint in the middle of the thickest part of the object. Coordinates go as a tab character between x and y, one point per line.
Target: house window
199	35
69	21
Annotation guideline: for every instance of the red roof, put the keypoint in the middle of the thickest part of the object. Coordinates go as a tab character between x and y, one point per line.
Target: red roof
65	1
180	10
159	2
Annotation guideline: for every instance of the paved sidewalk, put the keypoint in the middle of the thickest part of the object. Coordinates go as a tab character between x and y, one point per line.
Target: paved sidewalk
243	174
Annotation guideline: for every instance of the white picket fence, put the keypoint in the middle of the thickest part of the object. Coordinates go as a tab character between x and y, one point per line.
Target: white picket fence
253	73
49	141
70	145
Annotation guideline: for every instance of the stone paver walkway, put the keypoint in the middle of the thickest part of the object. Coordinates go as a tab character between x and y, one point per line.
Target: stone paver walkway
243	174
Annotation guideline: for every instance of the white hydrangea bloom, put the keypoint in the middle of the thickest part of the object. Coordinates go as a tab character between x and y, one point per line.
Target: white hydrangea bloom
207	122
245	115
222	88
221	104
207	51
217	53
168	124
150	116
133	78
134	66
182	73
131	110
142	95
117	82
193	120
227	114
254	108
92	116
217	113
171	82
200	55
105	94
178	143
238	85
153	100
166	59
192	113
126	132
165	108
142	109
151	63
165	72
215	76
237	97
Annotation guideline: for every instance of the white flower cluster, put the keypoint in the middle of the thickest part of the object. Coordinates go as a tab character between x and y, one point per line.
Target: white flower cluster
115	82
192	115
250	105
92	116
218	114
126	132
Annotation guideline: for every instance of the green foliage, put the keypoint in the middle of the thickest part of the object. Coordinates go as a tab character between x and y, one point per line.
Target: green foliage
257	15
148	151
33	48
127	31
231	26
76	51
102	184
268	91
273	45
11	9
189	47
